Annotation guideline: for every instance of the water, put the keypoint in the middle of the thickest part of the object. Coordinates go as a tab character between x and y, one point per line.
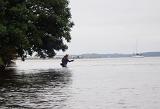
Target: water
121	83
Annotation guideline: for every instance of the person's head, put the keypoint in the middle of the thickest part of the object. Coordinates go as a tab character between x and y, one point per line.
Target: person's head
66	55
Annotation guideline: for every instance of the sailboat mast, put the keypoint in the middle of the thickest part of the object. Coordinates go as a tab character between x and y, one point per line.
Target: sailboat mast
136	46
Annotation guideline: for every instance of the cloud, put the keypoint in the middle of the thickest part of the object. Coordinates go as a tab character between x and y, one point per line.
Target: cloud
115	25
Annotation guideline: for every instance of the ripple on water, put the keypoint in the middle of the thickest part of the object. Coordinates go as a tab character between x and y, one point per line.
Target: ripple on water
41	90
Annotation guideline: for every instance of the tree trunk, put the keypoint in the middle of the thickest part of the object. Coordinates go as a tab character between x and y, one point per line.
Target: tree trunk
2	68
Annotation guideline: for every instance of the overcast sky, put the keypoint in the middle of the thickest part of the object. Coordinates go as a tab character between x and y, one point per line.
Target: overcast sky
113	26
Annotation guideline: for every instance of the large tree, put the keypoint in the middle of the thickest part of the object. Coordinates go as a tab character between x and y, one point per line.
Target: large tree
28	26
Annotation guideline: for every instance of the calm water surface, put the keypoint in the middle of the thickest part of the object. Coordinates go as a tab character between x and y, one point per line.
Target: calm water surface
122	83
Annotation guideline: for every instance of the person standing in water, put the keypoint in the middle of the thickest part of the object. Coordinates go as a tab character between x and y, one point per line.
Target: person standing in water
65	60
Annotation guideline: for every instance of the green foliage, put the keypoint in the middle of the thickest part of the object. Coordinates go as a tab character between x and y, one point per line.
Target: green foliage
29	26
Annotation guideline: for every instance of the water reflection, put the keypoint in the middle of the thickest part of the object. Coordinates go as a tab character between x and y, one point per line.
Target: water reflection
42	90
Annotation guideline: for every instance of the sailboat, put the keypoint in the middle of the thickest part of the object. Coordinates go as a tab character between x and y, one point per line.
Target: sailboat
137	54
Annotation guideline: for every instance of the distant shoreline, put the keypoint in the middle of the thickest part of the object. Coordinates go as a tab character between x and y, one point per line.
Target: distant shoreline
116	55
95	55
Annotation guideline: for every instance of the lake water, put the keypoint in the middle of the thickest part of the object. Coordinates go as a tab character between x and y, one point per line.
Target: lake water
120	83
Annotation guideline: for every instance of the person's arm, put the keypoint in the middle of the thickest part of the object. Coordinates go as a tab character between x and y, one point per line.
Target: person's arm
70	60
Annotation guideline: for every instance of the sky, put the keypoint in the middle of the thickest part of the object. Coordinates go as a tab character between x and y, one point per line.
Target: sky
114	26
